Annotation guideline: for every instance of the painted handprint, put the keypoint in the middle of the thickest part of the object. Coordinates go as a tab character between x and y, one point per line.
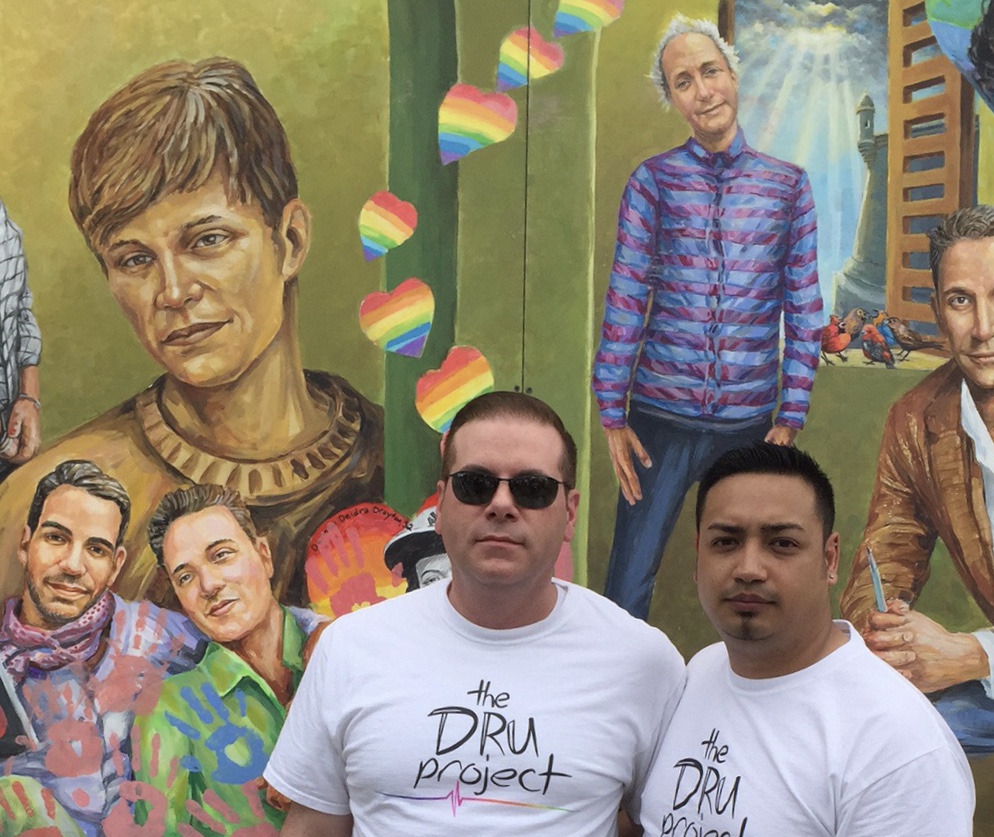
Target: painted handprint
135	682
345	567
226	820
30	810
141	809
239	750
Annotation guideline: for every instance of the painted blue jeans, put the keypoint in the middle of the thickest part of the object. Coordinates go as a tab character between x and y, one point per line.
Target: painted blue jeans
681	451
970	715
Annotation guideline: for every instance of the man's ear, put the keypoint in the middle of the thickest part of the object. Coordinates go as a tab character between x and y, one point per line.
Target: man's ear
440	488
22	547
294	237
572	511
697	541
262	545
832	550
939	321
120	556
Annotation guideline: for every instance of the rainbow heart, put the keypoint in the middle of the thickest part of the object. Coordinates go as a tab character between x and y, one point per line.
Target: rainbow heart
399	320
586	15
344	567
523	54
385	222
440	393
469	119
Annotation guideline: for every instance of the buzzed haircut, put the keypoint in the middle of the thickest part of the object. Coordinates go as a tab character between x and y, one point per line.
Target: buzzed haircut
974	222
169	130
83	474
513	405
779	460
196	498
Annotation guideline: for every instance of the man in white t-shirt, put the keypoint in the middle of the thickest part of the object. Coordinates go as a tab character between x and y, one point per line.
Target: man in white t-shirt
499	702
791	726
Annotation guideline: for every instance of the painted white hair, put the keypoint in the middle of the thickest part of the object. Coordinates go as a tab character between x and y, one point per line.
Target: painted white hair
681	25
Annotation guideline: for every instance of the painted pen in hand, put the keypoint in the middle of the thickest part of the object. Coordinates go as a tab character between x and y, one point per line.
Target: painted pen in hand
878	587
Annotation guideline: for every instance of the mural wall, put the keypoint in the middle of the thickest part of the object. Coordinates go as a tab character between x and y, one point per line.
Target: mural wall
460	166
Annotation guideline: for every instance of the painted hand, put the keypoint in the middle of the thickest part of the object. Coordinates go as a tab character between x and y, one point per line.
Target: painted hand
30	810
781	434
135	682
923	651
623	444
274	798
227	735
24	427
344	578
76	747
139	798
255	825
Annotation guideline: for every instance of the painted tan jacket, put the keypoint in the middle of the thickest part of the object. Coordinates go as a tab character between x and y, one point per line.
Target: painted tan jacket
289	497
928	485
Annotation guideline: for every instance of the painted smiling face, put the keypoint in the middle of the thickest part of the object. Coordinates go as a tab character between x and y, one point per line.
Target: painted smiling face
70	559
703	88
221	575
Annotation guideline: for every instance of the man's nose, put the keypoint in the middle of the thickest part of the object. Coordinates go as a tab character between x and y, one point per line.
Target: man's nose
73	562
502	504
750	564
983	324
211	583
178	284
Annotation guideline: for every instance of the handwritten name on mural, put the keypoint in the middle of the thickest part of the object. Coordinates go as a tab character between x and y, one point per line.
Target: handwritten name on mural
479	731
703	788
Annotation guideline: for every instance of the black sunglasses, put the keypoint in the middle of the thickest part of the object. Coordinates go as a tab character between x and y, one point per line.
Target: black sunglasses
530	491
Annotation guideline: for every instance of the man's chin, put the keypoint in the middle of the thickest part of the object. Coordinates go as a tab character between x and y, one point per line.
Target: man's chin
60	614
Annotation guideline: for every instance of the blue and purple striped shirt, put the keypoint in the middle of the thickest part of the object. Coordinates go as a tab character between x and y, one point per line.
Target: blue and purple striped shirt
714	247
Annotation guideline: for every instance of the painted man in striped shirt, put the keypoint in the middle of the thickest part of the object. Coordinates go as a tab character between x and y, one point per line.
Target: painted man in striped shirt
716	242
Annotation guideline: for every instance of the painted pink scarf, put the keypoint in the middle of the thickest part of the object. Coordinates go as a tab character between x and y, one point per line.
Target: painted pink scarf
23	647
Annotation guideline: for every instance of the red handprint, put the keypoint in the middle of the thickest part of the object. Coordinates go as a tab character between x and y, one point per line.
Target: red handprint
253	824
138	800
345	567
30	810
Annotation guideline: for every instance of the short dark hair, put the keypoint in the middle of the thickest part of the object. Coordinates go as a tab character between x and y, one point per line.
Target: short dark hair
169	129
518	405
81	473
974	222
196	498
981	51
781	460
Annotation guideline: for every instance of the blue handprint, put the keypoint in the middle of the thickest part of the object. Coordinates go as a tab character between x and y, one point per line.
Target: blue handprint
225	734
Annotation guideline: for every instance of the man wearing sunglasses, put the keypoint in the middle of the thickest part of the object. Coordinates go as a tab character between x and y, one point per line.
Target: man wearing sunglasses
544	702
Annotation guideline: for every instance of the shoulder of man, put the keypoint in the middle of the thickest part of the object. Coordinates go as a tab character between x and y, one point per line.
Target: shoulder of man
937	391
784	168
161	635
634	639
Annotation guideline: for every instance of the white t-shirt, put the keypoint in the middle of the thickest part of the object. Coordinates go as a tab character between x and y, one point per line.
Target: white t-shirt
419	722
845	747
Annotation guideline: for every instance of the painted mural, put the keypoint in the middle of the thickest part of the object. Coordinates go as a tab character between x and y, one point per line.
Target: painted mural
271	250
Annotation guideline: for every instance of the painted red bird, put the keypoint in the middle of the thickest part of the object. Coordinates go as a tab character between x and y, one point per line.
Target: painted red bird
834	339
875	347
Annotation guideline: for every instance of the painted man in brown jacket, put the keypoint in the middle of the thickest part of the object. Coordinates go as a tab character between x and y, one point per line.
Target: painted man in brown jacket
935	479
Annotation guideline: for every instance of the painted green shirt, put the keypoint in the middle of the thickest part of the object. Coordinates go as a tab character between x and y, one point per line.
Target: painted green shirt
217	723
